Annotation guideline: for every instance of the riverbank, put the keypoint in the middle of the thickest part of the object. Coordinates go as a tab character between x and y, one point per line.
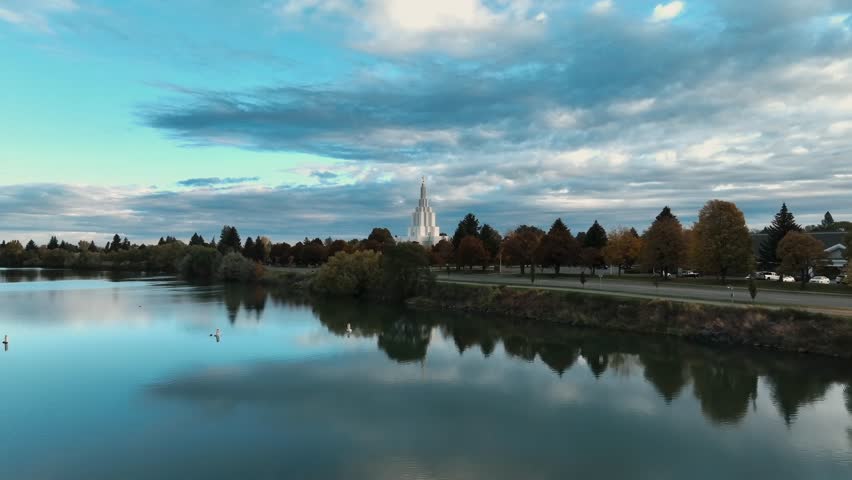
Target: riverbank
779	329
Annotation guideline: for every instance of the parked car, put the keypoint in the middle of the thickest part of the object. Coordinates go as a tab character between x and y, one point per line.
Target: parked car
788	279
841	279
771	276
820	280
690	274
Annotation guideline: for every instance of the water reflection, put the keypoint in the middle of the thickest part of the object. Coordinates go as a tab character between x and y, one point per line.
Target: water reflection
16	275
724	381
348	390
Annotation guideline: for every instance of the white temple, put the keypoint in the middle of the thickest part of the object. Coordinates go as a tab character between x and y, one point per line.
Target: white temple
423	229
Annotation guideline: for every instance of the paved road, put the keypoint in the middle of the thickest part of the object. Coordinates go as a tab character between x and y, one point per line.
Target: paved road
700	292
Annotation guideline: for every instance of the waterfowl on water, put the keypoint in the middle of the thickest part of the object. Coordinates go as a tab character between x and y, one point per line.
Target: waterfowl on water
5	338
348	328
216	334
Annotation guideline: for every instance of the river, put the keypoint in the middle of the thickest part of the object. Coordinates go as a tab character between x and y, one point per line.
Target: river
110	376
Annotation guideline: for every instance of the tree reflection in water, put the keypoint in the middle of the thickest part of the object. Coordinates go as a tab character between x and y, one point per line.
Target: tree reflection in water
724	380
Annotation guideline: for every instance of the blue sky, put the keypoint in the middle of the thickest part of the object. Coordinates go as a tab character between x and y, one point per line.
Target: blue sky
318	117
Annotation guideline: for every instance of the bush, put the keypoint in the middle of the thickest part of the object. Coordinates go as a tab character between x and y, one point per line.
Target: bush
349	274
405	271
200	263
237	268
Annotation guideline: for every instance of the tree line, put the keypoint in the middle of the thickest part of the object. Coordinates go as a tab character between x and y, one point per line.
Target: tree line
718	244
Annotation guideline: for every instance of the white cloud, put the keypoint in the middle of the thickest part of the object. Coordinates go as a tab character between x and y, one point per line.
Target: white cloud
840	128
602	7
34	14
668	11
633	107
562	118
459	27
799	150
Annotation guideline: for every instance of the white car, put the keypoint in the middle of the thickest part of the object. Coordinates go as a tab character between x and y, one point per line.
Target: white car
788	279
820	280
771	276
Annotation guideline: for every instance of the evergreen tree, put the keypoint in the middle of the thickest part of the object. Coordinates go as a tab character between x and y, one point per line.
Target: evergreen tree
260	253
116	243
491	240
125	244
31	246
248	250
469	225
596	236
196	240
783	223
229	240
161	242
827	222
92	247
558	247
53	244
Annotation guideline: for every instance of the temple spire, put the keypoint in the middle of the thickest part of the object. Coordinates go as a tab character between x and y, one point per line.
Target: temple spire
422	187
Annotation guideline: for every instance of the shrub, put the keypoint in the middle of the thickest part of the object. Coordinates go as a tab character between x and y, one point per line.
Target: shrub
200	263
237	268
349	274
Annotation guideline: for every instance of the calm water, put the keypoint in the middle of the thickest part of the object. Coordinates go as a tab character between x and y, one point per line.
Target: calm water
114	377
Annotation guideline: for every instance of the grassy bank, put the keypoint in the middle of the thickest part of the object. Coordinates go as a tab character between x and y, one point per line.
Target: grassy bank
788	330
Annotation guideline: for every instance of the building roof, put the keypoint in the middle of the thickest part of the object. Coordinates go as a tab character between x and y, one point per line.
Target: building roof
829	239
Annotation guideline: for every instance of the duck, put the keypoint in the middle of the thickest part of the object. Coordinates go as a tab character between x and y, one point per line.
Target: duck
6	339
348	329
217	333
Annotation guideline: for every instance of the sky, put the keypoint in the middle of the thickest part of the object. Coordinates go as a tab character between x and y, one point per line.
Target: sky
294	118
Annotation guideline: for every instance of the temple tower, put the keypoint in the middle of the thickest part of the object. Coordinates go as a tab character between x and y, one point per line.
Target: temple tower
424	228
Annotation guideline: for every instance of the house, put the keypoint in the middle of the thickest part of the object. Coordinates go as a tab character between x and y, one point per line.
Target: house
835	250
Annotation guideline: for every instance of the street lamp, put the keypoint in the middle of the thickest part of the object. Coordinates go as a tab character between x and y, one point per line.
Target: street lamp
732	293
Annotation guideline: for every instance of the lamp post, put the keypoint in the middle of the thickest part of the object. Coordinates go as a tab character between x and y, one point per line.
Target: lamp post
732	293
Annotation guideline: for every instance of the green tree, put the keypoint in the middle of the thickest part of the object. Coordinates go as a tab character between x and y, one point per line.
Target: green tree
237	268
229	240
201	263
280	253
799	253
783	223
663	246
468	226
405	271
594	241
558	247
197	240
379	239
491	241
349	274
31	246
53	244
827	223
115	245
723	244
248	249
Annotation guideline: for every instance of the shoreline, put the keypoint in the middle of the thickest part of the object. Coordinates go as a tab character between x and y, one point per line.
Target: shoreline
786	329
